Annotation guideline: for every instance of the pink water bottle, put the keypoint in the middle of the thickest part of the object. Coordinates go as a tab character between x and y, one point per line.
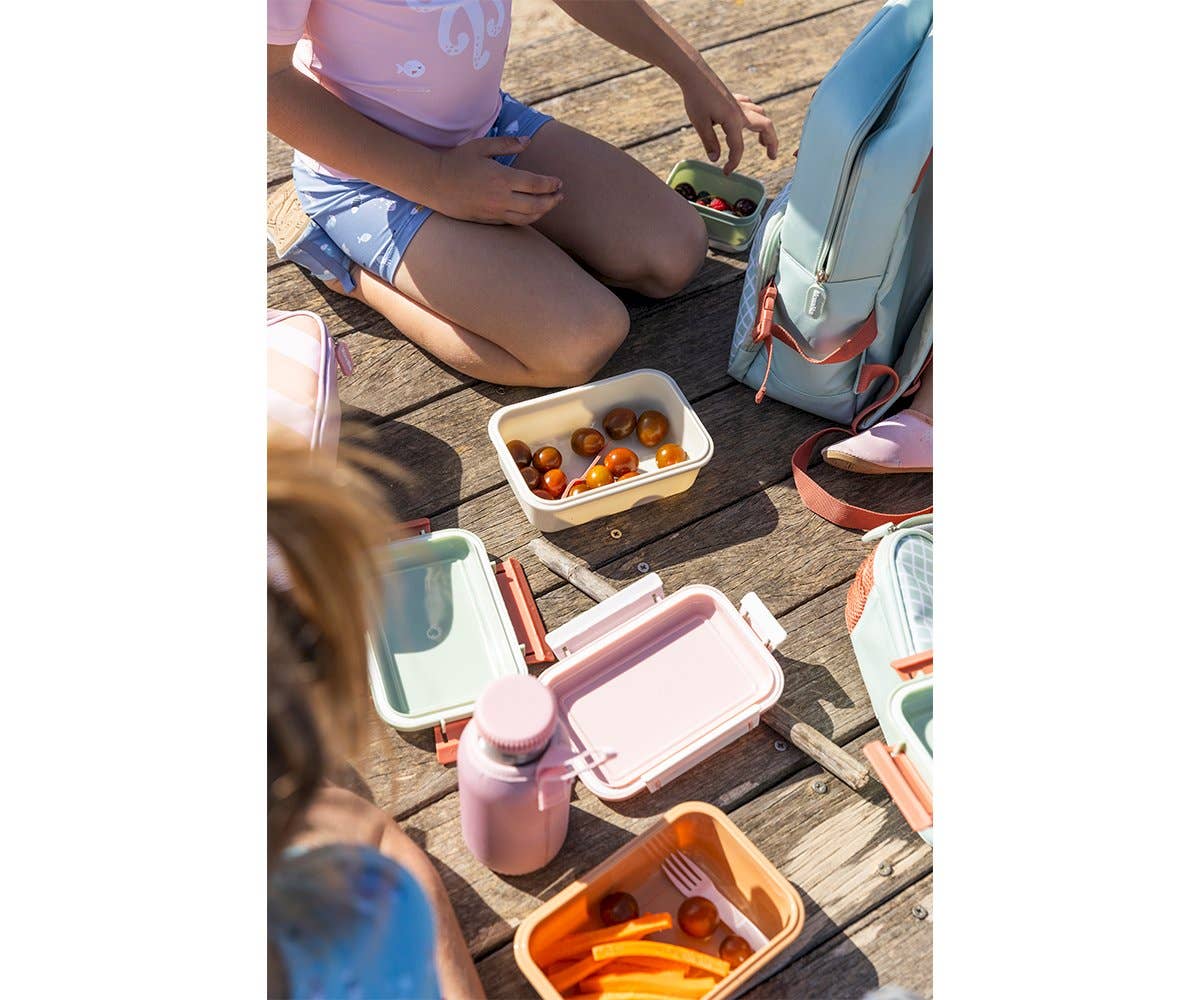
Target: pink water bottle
515	773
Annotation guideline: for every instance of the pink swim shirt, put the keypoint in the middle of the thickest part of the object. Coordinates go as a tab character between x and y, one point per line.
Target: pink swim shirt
427	69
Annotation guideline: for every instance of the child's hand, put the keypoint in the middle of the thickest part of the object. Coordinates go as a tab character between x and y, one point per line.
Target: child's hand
470	185
709	103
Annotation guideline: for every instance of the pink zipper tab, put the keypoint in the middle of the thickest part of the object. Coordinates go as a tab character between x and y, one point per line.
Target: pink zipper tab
342	353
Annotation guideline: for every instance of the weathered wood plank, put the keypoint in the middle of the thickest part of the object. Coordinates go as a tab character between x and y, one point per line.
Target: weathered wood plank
830	847
888	947
574	59
646	103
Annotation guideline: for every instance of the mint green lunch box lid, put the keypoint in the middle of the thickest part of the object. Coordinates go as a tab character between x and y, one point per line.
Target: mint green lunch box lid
443	633
726	231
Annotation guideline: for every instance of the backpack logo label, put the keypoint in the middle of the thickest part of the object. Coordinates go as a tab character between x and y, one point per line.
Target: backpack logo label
814	301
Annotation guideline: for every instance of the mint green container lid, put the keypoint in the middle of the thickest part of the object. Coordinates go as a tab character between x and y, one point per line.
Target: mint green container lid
726	231
443	634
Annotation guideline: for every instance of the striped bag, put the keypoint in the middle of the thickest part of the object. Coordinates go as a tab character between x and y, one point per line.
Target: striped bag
303	361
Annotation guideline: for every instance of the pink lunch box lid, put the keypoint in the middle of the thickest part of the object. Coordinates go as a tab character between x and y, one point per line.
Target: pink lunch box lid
662	682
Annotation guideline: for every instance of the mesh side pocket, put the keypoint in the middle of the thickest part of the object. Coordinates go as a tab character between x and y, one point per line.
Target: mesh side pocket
860	590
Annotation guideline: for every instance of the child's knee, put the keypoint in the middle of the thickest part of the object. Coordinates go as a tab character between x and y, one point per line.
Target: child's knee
586	339
675	257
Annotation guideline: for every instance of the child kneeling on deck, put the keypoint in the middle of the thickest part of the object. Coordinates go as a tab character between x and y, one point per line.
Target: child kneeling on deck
355	908
475	224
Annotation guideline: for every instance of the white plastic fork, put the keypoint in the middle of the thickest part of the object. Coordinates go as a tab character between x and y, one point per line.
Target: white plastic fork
684	874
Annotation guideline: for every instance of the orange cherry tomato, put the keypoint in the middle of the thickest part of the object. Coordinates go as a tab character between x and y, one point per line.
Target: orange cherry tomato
533	478
670	454
617	908
620	461
543	494
597	476
619	422
520	453
587	441
698	917
577	488
735	950
554	481
546	459
628	475
652	428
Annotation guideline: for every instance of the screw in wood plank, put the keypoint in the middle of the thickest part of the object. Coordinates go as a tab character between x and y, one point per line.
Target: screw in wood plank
615	533
643	567
780	745
820	787
920	912
884	869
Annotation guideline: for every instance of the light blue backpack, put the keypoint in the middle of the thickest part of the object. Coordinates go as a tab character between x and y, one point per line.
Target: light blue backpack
836	311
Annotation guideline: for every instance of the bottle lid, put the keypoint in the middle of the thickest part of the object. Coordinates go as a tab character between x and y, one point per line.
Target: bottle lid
516	715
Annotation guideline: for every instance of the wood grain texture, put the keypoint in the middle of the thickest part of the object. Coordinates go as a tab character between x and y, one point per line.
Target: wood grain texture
830	848
888	947
574	59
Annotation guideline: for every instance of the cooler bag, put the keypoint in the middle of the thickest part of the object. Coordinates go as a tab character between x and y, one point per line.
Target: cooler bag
840	275
889	612
303	361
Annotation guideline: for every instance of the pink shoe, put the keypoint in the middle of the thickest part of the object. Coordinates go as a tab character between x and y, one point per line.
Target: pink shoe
900	443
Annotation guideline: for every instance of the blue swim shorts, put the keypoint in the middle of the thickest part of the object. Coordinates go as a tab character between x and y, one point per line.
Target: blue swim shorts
361	223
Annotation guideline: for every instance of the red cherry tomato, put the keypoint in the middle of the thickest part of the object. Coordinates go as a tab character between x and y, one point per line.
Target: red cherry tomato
554	481
617	908
652	428
597	476
543	494
670	454
620	461
735	950
533	478
587	441
619	422
546	459
520	453
698	917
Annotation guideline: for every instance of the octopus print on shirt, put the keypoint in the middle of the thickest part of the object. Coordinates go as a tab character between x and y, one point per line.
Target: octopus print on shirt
427	69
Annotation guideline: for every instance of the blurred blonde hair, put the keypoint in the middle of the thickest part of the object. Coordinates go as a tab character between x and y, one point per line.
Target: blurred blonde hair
327	522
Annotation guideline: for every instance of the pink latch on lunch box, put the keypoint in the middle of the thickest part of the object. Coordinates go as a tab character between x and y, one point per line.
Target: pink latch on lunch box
659	683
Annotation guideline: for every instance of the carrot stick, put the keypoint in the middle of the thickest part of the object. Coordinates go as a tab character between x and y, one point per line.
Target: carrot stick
640	963
617	996
579	945
665	984
576	972
660	949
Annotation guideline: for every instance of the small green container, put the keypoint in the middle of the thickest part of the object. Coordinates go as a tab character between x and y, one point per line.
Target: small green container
726	231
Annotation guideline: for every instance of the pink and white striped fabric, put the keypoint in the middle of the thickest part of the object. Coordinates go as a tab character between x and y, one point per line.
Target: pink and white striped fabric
302	369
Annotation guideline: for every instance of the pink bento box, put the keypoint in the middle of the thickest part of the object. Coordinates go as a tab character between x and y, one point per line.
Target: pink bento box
660	683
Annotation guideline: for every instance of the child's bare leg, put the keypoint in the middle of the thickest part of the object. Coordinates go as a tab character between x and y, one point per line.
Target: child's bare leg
616	216
499	303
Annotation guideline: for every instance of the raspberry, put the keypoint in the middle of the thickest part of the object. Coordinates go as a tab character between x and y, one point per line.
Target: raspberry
719	204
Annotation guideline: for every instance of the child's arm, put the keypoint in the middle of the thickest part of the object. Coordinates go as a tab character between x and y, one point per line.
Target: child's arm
463	182
633	25
338	816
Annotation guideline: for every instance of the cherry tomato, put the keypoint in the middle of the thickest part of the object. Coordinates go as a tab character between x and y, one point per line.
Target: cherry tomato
735	950
547	459
587	441
520	453
620	461
554	481
543	494
617	908
698	917
670	454
652	428
577	488
628	475
620	422
533	478
596	476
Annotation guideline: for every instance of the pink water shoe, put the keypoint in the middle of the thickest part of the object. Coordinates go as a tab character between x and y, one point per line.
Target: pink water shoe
900	443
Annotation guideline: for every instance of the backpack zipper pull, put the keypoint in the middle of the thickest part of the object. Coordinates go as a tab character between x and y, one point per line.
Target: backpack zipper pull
342	353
